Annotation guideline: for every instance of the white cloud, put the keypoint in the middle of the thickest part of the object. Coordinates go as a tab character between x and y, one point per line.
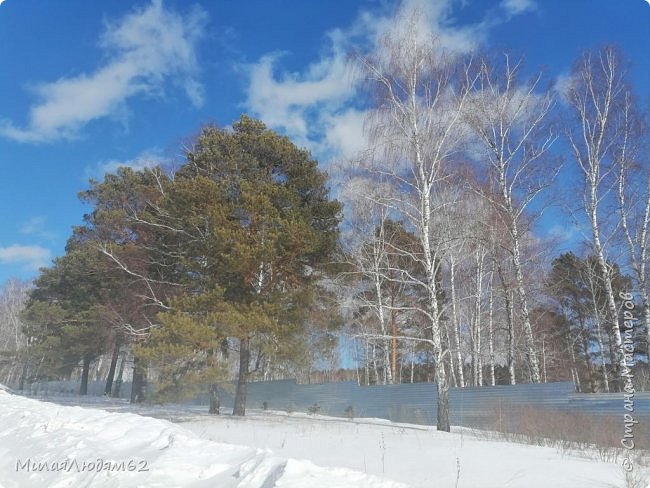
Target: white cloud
146	50
435	20
305	105
562	85
344	132
32	257
35	226
286	101
516	7
147	159
315	107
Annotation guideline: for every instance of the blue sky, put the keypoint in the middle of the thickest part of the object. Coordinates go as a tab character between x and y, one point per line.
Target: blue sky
87	86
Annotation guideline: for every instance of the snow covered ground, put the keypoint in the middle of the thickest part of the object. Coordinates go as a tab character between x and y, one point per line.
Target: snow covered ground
49	445
267	450
417	455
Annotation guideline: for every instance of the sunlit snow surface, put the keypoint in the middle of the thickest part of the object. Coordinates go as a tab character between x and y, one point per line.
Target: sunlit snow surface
175	457
290	451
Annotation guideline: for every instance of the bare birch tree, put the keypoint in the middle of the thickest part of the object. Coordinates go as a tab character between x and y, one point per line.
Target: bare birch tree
13	341
368	259
592	276
416	132
597	95
508	299
634	204
510	121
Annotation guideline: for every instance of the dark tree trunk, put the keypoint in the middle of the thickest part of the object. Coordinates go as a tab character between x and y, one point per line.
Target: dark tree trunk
83	389
616	381
111	370
120	375
23	377
137	385
442	421
590	368
215	404
240	395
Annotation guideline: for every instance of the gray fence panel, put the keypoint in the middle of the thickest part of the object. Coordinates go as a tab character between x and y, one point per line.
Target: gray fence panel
70	387
610	403
407	402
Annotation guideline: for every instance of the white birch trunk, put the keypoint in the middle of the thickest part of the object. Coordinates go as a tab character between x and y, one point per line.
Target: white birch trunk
452	368
544	376
381	315
456	325
480	256
511	338
607	281
523	300
491	337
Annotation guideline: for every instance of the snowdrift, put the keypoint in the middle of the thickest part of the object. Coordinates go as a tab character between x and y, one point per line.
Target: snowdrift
44	444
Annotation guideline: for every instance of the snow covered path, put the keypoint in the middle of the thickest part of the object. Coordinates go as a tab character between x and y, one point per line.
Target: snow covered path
48	445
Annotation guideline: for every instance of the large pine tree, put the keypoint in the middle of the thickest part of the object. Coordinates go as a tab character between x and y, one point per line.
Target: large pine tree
256	222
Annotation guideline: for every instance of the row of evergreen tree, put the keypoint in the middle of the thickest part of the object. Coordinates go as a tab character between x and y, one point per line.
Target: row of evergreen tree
223	255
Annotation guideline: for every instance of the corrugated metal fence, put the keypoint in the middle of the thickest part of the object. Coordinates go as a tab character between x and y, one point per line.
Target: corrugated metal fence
410	402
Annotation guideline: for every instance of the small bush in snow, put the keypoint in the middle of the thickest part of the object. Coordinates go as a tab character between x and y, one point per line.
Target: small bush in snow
349	412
